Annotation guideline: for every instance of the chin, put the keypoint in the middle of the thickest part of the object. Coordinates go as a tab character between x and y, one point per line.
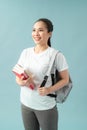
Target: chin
37	43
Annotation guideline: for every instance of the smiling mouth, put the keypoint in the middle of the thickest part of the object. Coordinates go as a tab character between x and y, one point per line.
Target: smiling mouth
37	38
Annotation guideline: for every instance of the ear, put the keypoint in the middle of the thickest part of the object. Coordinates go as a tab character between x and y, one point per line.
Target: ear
50	34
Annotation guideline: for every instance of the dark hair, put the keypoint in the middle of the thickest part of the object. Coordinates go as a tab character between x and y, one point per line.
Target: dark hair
49	26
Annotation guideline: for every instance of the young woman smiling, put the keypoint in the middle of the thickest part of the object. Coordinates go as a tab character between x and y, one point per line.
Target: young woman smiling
38	109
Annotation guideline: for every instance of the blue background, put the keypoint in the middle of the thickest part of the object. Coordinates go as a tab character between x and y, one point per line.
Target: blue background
70	36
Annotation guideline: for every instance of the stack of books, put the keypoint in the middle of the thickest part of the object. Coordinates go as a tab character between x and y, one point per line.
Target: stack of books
20	72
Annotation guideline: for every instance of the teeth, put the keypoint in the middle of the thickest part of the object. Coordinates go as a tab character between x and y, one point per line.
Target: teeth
37	38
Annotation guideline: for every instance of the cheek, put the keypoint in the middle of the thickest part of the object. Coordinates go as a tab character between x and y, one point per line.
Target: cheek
44	36
32	35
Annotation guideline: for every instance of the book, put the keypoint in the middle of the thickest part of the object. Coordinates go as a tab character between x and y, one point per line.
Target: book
19	71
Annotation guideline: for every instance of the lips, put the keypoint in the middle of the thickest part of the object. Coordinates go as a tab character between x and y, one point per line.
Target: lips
37	38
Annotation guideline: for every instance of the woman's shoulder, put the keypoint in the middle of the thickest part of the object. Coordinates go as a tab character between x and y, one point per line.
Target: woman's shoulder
26	50
53	50
59	54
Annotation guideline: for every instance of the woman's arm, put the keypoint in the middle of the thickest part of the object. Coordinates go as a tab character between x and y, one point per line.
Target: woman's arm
64	80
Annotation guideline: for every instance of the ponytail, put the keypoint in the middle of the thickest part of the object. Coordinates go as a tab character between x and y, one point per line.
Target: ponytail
49	43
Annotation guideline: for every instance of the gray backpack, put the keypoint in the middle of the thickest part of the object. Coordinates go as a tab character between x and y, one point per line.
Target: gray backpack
61	94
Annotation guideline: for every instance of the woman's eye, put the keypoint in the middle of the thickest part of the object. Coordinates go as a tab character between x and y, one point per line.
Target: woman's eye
33	30
41	30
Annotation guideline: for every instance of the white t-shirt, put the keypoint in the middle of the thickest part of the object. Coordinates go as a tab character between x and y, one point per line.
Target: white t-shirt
38	65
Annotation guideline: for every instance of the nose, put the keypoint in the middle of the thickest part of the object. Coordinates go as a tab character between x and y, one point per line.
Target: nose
36	32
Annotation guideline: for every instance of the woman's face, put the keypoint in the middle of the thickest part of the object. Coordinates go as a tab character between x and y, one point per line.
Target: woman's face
40	33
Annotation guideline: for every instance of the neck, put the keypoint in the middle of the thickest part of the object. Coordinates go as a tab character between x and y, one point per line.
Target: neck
39	49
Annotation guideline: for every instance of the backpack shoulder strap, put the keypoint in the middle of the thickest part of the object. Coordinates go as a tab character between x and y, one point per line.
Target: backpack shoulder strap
50	68
51	62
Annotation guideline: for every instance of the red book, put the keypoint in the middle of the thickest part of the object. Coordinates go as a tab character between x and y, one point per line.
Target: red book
19	71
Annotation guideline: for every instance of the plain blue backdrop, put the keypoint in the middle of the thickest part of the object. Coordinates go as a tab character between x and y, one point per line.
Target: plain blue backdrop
70	36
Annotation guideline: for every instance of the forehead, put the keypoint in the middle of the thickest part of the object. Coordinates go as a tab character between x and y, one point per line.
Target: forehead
39	24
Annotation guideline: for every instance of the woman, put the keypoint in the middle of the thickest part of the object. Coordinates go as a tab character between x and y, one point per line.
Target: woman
38	109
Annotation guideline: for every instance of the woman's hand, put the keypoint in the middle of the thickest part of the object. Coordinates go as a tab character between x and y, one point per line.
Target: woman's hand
22	82
43	91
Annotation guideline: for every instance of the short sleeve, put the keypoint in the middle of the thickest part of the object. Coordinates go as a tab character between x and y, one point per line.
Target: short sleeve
60	62
22	58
